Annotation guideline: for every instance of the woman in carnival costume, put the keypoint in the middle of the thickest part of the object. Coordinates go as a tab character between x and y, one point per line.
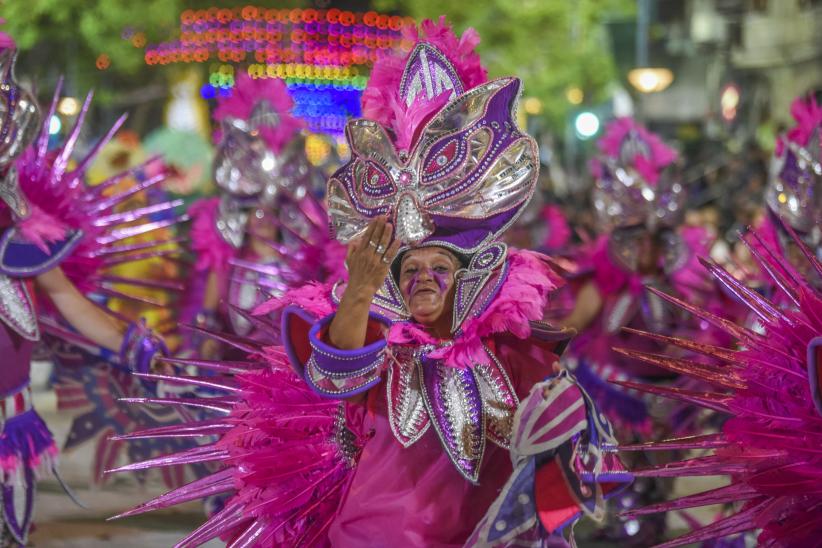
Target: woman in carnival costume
57	236
266	230
639	204
408	405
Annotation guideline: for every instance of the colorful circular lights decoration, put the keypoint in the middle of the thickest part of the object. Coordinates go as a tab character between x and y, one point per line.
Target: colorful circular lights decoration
323	56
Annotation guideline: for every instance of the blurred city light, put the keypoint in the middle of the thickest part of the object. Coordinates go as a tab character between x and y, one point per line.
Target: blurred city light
68	106
586	125
55	125
729	100
574	95
650	80
532	106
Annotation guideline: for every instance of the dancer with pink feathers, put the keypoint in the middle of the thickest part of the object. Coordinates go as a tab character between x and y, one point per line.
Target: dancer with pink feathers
640	204
415	402
267	230
58	236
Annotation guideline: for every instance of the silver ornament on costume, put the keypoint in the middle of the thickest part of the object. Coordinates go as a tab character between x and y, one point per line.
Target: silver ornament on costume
794	189
246	167
19	112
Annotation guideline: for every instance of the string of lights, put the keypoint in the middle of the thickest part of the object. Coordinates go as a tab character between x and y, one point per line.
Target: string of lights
322	55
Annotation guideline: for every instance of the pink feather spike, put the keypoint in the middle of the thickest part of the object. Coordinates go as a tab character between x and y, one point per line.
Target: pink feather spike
199	454
60	164
241	343
770	265
720	495
686	367
704	441
42	144
218	383
214	404
74	178
226	520
737	523
104	204
96	192
215	484
120	234
763	308
708	400
185	430
228	367
729	356
137	213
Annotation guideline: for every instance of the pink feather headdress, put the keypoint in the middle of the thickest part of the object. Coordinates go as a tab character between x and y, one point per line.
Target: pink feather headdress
245	97
629	142
808	116
381	101
630	187
6	41
796	169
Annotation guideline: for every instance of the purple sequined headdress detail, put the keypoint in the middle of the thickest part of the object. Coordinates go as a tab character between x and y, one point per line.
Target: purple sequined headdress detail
633	186
794	190
442	155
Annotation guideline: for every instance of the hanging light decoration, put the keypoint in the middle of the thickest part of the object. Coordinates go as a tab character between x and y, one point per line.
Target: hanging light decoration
324	56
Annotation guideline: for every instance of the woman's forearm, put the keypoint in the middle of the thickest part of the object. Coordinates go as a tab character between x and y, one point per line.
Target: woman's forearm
82	314
350	324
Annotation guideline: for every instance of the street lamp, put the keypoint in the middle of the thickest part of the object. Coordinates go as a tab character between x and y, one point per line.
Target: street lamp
644	78
650	79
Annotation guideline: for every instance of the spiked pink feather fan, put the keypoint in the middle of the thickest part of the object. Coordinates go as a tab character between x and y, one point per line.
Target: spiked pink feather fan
770	444
247	93
62	203
380	100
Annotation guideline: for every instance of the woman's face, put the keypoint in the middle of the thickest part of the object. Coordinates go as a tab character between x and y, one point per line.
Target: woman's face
427	284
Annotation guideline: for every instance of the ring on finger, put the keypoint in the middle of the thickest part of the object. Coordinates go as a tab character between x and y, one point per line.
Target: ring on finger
380	249
385	260
374	244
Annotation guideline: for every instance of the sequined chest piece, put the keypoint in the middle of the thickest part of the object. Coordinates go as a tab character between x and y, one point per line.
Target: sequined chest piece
466	407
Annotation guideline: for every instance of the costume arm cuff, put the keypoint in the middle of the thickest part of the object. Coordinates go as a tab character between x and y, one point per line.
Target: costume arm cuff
139	347
336	373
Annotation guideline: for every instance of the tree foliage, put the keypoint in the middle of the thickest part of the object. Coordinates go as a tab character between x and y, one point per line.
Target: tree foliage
551	44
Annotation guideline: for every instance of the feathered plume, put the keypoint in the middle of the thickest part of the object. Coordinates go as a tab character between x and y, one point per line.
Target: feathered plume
808	116
649	159
380	100
770	444
6	41
247	94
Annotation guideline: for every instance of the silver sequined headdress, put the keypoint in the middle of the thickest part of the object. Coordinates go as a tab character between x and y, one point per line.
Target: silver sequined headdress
633	185
794	190
260	155
439	151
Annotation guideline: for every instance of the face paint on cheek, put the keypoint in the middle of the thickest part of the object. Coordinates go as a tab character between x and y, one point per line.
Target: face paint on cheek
440	278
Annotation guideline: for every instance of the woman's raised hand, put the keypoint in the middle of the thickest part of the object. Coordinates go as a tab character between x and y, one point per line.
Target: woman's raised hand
369	258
